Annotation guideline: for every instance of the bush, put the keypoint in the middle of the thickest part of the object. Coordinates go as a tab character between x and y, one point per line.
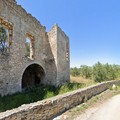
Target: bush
35	94
75	71
98	72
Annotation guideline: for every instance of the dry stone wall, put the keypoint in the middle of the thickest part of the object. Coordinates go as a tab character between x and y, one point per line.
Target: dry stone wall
49	108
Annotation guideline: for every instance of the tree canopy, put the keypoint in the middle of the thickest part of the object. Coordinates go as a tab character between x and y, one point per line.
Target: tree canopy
98	72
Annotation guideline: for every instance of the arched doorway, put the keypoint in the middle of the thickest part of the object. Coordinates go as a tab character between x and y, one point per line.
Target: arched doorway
33	75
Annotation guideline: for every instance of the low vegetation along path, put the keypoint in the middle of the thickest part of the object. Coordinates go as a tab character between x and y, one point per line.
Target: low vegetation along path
109	110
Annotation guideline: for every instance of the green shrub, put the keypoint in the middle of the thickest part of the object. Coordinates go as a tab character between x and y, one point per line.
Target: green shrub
35	94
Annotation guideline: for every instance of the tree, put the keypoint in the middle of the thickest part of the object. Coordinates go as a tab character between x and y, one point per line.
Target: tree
99	72
105	72
116	69
3	40
75	71
85	71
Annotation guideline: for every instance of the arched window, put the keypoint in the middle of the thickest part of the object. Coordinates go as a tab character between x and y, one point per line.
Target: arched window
67	51
29	43
6	34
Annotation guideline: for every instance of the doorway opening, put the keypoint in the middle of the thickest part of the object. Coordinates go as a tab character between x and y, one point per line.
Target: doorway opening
33	75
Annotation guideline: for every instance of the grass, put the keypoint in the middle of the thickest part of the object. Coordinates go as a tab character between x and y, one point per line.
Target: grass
35	94
79	79
41	92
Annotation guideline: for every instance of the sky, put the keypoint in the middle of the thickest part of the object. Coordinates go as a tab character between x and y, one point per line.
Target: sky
93	27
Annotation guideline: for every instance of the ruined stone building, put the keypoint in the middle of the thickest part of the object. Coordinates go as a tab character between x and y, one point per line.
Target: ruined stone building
32	55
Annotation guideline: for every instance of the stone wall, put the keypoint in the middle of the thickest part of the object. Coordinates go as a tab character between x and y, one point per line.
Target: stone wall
59	41
49	108
13	66
63	65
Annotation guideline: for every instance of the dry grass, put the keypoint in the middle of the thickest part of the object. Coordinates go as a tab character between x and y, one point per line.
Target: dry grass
82	80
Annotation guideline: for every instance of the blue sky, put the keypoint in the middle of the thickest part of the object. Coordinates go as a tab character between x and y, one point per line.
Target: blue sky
93	27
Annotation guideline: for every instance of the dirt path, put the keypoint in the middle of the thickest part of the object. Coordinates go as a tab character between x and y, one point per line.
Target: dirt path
109	110
104	110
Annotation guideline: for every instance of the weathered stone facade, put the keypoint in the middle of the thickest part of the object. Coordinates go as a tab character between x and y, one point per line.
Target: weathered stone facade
49	51
49	108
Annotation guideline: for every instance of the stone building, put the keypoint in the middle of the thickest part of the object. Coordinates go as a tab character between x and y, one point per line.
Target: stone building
32	56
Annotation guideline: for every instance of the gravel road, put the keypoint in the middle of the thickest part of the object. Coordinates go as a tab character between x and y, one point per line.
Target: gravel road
109	110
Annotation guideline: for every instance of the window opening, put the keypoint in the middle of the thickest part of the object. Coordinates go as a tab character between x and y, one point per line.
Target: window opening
29	46
6	33
67	52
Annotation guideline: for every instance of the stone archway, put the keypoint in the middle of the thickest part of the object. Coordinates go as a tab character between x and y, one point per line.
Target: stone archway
33	75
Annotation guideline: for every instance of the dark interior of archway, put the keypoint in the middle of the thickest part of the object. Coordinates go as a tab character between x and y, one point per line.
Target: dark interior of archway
32	76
